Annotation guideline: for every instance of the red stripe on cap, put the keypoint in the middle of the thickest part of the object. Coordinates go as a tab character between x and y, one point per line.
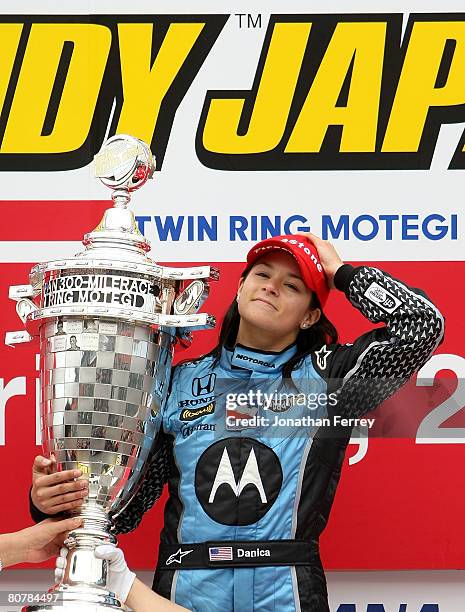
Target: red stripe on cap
50	219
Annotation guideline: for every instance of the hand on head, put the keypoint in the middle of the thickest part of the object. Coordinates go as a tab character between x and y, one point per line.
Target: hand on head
329	257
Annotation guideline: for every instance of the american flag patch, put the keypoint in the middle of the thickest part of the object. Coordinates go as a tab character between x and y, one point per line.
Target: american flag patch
221	553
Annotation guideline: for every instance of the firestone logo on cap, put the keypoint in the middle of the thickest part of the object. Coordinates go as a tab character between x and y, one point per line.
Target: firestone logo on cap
306	250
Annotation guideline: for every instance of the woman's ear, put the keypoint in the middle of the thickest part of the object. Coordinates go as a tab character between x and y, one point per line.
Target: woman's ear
312	317
239	288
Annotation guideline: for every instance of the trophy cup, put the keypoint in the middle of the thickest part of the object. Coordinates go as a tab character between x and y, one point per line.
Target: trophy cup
108	320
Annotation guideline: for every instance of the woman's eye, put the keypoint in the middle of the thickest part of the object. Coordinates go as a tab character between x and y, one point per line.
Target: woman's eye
264	274
291	286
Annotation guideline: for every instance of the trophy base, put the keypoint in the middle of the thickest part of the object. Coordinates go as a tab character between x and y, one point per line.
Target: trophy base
83	587
78	598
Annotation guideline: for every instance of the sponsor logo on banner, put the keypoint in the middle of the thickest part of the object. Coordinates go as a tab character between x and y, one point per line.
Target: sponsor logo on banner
191	415
203	385
362	227
382	298
76	67
237	480
343	93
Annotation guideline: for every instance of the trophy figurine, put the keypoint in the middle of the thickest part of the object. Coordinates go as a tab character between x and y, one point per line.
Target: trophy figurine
107	319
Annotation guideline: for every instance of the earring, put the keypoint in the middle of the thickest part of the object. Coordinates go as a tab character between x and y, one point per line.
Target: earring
304	325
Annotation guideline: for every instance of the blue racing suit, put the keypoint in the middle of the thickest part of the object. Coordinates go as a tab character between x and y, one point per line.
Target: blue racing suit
252	460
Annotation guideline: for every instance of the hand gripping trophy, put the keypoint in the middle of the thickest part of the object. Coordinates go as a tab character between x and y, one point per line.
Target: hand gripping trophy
108	320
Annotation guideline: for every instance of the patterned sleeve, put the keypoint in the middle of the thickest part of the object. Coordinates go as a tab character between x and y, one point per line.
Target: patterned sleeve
156	476
378	363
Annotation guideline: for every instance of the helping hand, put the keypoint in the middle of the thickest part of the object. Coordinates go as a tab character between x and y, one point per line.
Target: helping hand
37	543
120	578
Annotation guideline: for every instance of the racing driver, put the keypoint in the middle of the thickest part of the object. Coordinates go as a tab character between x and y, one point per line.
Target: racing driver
249	498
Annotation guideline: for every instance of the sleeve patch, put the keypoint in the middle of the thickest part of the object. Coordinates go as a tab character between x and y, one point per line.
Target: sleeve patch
382	298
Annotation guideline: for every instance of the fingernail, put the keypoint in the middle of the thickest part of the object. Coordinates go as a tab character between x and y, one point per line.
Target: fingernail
46	462
76	473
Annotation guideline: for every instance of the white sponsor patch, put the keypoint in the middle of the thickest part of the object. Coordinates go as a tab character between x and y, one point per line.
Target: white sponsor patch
382	298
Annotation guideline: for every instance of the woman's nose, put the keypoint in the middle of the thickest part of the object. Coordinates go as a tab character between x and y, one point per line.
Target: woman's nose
271	287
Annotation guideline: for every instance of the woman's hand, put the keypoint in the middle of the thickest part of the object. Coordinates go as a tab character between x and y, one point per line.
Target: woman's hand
53	492
37	543
328	255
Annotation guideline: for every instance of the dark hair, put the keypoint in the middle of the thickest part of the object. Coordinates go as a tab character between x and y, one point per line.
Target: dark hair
321	332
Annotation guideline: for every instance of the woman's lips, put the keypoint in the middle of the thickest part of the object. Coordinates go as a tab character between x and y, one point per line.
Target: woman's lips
265	302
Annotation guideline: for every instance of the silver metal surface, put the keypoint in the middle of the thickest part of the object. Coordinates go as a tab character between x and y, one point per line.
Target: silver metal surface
107	321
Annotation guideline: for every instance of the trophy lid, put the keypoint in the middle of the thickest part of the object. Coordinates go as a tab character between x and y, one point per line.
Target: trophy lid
124	164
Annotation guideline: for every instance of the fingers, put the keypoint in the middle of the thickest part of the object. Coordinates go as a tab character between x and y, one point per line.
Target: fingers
312	237
60	564
64	552
41	465
59	491
58	478
65	501
55	527
112	554
108	552
64	489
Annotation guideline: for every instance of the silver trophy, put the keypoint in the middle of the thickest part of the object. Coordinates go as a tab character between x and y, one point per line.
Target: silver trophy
108	320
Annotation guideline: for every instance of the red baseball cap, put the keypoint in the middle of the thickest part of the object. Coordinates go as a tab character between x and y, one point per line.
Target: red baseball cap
306	255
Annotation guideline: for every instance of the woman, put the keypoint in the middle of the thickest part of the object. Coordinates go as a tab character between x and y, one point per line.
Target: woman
250	493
